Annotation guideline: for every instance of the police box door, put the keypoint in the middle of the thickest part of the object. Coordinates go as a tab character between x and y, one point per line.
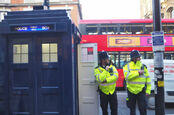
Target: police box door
35	76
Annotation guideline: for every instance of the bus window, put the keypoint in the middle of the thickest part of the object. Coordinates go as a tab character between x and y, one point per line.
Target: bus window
108	29
137	29
103	30
124	58
111	30
114	59
91	29
125	29
148	28
170	28
164	28
169	55
131	29
149	55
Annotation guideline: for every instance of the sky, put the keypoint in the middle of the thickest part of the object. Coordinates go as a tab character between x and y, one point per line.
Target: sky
110	9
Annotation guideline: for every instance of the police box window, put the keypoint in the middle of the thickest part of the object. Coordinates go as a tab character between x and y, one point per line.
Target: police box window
49	52
90	51
20	53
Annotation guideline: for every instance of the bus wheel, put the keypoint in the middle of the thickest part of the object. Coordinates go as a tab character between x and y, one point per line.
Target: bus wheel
151	101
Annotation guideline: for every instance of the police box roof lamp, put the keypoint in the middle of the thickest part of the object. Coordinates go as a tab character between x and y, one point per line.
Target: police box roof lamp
46	5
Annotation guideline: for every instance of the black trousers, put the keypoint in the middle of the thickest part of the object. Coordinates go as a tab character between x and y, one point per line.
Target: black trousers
108	99
142	103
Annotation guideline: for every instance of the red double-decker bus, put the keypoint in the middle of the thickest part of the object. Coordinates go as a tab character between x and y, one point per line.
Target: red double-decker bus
120	37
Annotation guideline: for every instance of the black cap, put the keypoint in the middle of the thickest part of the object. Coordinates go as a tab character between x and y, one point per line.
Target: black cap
135	54
103	55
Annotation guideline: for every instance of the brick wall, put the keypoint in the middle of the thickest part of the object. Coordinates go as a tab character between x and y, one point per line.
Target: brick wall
74	11
17	1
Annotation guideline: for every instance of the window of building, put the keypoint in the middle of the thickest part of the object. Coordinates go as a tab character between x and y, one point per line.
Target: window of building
41	1
33	1
20	53
162	15
172	14
49	52
5	1
59	0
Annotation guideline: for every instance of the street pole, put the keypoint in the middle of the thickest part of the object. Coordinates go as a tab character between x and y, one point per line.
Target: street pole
158	50
46	5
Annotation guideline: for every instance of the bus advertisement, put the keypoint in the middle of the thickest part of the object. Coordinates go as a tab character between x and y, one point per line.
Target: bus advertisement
120	37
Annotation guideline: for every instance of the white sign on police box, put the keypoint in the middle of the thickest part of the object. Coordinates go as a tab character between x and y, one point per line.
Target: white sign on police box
158	41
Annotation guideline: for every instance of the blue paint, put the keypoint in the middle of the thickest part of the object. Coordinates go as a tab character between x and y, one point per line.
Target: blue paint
38	88
32	28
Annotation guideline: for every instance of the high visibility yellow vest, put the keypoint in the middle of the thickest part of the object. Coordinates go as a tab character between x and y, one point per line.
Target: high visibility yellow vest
101	74
136	82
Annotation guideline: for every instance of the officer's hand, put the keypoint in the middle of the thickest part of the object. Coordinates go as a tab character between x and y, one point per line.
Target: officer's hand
147	94
141	72
107	68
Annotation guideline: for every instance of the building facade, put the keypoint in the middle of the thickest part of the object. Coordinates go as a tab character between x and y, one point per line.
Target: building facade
72	6
146	9
167	9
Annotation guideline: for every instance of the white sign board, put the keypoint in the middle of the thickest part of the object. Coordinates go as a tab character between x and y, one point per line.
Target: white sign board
87	87
158	41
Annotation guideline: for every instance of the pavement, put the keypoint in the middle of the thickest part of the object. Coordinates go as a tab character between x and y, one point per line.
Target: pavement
123	110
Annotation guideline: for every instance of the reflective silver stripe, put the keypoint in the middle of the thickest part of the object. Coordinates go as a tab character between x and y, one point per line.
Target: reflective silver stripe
99	78
147	76
115	72
98	75
128	71
134	69
107	84
148	82
130	82
142	76
127	75
115	75
100	70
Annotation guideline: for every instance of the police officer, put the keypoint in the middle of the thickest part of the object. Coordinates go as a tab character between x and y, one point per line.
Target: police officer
138	83
106	76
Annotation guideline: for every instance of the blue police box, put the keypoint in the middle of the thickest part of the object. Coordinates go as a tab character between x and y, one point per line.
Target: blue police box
38	63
